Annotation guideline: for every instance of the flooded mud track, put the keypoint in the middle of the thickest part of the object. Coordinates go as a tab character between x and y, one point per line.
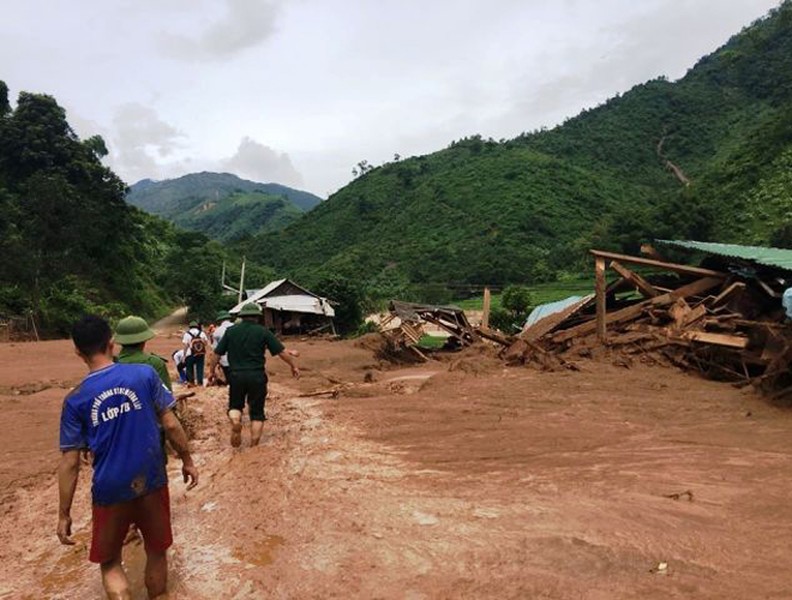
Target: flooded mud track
453	479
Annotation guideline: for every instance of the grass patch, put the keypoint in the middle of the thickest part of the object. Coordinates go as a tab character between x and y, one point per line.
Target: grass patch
432	342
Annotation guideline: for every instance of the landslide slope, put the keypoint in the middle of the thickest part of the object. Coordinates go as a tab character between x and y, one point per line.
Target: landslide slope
222	205
706	156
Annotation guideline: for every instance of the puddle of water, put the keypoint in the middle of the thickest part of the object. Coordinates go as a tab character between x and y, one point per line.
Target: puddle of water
69	569
418	377
262	553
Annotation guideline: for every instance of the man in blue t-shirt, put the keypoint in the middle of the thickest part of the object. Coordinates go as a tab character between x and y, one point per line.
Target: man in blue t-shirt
114	413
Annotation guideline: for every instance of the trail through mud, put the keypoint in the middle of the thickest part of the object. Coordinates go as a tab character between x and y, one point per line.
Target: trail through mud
455	479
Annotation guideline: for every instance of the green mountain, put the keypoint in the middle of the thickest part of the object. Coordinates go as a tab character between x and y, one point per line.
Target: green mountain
705	157
222	205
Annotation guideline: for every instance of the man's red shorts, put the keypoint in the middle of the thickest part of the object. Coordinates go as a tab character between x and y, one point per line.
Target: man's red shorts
151	514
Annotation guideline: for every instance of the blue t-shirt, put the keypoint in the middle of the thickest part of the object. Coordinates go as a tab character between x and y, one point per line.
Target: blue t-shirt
114	413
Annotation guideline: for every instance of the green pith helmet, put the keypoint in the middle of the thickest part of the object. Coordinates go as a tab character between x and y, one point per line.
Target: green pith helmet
251	309
133	330
223	316
193	324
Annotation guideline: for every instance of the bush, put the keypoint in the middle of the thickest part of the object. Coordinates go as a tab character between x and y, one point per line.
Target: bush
516	303
517	300
366	328
503	320
347	299
62	304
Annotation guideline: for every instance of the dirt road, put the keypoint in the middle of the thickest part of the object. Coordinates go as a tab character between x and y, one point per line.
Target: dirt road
458	479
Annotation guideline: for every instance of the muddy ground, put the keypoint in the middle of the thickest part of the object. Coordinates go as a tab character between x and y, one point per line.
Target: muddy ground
456	479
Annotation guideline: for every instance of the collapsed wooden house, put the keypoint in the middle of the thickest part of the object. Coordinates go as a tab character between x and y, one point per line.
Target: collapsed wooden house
290	308
724	318
406	322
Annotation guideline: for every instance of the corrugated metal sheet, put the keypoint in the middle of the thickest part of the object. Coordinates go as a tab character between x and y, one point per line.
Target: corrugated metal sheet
301	304
545	310
770	257
308	303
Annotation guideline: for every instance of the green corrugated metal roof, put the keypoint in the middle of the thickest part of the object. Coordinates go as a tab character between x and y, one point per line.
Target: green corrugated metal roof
770	257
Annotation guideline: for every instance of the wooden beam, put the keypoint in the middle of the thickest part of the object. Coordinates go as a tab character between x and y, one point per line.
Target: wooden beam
643	286
729	291
599	275
768	290
631	312
666	266
718	339
495	336
485	311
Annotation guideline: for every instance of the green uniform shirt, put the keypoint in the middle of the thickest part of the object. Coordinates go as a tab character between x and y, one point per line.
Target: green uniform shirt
130	355
245	344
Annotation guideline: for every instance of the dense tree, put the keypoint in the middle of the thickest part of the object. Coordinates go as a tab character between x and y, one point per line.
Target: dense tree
347	299
70	243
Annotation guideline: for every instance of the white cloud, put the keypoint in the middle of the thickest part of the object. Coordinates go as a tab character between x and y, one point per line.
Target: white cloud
140	140
247	23
258	162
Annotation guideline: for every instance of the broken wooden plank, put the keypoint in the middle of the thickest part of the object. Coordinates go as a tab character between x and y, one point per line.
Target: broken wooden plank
768	290
631	312
666	266
734	288
411	333
694	315
718	339
495	336
331	391
639	282
419	353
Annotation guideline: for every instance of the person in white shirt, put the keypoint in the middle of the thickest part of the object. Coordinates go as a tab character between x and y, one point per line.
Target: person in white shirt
224	321
181	368
195	345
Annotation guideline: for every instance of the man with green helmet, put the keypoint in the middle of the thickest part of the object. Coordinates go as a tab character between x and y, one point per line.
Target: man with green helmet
132	333
245	344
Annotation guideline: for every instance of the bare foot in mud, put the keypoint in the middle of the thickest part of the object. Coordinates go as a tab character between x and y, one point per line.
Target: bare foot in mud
236	435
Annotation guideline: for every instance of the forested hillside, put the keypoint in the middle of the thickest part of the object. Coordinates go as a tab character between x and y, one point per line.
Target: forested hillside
705	157
69	242
222	205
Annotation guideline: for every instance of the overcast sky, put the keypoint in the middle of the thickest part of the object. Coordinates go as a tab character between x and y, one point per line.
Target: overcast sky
298	91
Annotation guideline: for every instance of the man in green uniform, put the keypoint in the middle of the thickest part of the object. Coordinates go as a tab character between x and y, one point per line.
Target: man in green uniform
132	333
245	344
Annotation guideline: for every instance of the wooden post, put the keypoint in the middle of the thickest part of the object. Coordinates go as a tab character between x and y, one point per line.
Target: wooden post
486	308
599	273
241	282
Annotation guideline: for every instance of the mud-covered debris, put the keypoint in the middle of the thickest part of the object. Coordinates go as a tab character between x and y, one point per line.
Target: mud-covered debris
680	495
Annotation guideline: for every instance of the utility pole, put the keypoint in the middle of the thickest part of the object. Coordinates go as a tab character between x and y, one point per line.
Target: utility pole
242	281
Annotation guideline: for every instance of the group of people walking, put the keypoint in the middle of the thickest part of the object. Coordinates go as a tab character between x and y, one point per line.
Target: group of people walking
190	358
119	417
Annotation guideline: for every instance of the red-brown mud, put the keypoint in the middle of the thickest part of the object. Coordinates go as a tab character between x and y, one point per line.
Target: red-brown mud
458	478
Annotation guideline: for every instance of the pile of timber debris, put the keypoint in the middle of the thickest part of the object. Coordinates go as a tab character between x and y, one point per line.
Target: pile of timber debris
727	324
405	325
